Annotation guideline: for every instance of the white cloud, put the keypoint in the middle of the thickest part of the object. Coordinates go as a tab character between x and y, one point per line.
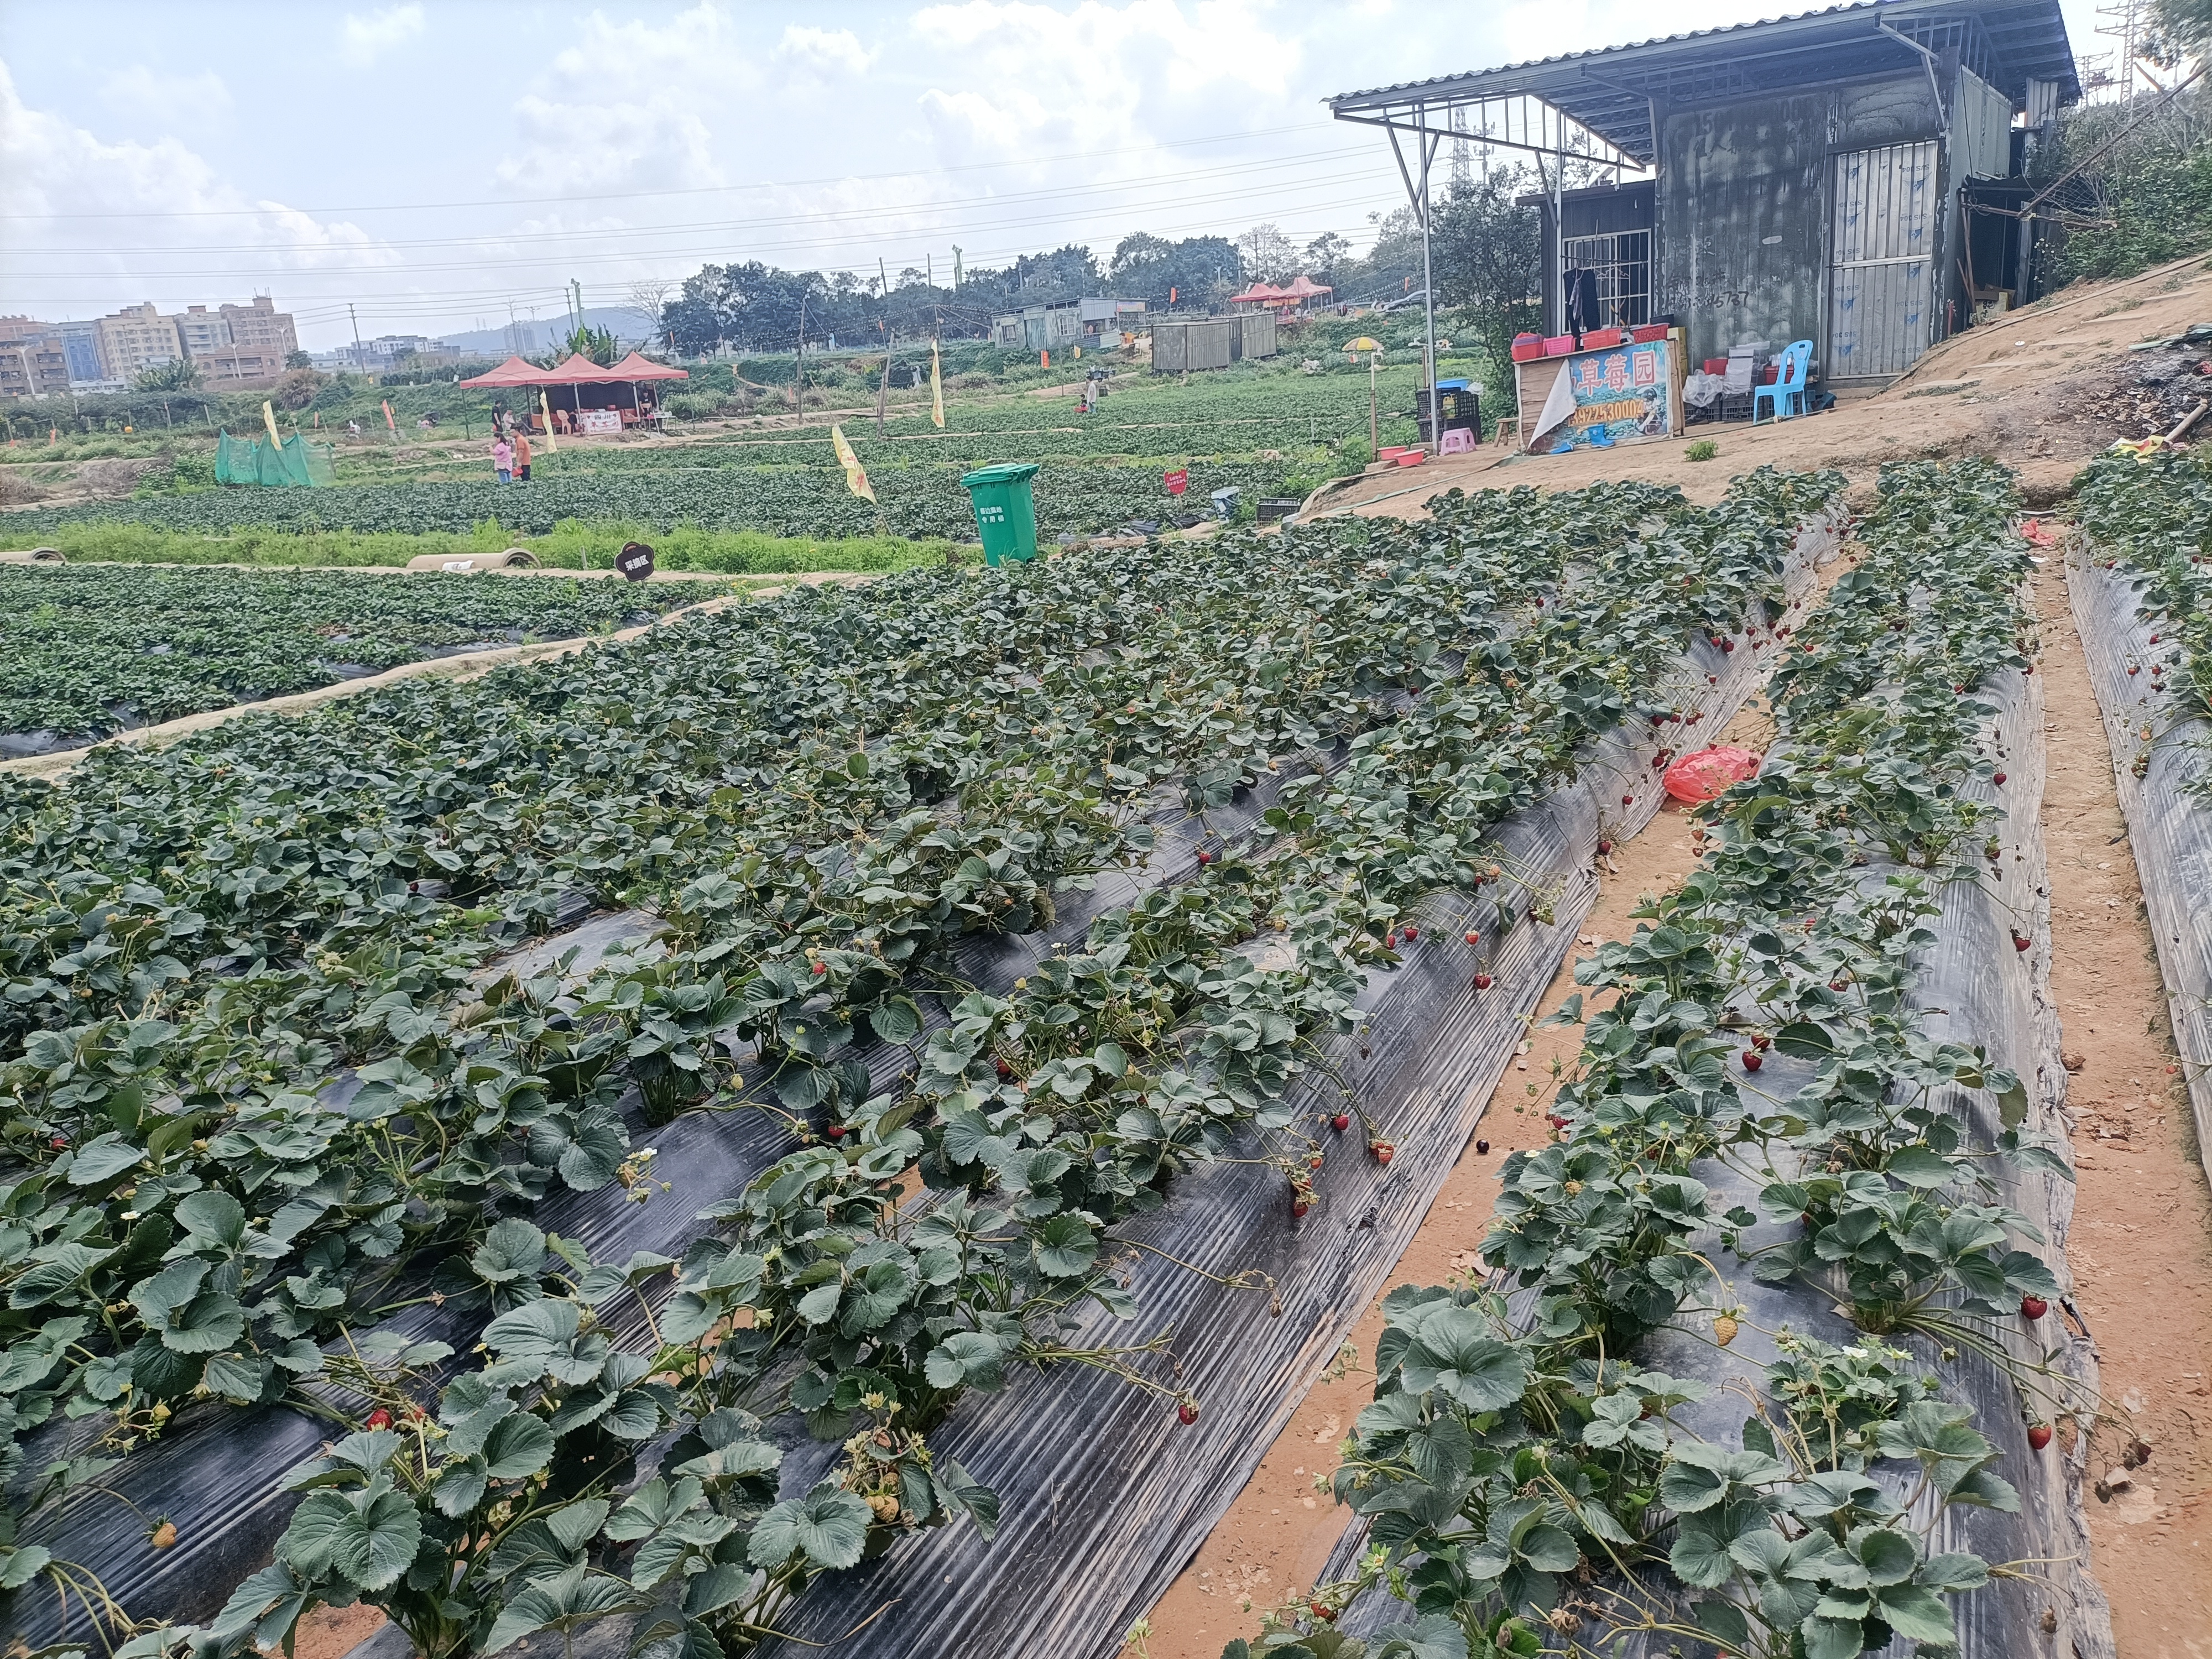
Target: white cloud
627	106
364	39
140	91
824	51
127	226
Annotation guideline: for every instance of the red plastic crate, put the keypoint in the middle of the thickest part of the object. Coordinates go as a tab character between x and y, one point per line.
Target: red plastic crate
1528	349
1559	345
1646	332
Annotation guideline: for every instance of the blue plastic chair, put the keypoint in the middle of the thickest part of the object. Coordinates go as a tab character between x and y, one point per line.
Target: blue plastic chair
1796	362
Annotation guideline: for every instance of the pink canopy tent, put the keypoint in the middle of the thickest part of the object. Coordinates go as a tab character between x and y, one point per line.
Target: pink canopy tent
513	372
1297	292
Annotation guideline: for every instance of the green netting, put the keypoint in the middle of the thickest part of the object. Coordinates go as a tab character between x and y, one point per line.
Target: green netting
250	461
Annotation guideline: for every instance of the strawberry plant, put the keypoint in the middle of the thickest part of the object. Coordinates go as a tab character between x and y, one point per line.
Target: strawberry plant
270	1076
1513	1448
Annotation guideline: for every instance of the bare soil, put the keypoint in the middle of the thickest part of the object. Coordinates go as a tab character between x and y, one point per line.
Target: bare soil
2043	390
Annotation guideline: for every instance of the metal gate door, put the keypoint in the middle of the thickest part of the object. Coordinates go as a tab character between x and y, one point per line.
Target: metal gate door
1881	273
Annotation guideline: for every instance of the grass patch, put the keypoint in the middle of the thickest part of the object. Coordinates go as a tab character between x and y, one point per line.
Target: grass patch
572	545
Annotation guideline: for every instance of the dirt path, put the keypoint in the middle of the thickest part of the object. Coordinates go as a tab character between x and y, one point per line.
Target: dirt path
2140	1246
1277	1536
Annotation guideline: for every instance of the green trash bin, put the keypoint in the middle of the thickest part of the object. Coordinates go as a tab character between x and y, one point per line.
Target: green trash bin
1006	513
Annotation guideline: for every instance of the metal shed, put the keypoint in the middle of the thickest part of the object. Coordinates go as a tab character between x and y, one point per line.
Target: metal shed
1796	178
1180	343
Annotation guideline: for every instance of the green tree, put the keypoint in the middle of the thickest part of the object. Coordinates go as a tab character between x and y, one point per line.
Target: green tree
1488	253
177	375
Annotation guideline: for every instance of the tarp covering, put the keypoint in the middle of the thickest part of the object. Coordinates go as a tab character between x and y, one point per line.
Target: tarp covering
298	463
2167	823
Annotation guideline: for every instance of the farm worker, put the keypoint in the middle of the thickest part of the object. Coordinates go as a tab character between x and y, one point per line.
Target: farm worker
522	455
502	460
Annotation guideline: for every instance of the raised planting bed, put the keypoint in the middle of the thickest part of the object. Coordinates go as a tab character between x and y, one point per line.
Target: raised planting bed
1774	1355
2140	582
85	650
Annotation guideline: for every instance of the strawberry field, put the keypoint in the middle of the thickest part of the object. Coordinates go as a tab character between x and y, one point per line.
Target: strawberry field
948	934
86	650
1765	1359
1276	434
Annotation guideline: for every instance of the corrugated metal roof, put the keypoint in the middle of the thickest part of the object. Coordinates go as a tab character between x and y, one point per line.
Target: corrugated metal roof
2025	40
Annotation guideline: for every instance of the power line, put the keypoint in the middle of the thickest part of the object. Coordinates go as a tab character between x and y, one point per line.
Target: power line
806	218
694	190
868	238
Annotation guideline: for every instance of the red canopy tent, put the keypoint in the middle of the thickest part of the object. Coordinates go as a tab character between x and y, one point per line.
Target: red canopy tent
513	372
1296	293
577	372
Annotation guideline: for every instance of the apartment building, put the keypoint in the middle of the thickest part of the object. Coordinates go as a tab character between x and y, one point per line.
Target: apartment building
33	361
261	327
137	337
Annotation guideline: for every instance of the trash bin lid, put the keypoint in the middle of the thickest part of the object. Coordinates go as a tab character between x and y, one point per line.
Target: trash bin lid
1451	386
1004	472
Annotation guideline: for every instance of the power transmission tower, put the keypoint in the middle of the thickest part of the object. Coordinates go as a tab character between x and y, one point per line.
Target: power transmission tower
2127	21
1461	175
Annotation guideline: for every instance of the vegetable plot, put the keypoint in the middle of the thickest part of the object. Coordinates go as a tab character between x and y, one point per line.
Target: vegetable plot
2141	589
1766	1357
86	650
298	1174
920	498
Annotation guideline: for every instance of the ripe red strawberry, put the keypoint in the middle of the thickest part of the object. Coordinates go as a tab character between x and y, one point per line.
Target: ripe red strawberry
835	1131
1005	1070
59	1143
1321	1611
1384	1151
2038	1436
1187	1412
379	1419
1628	800
1204	857
1412	933
1299	1208
1474	938
1752	1060
1389	941
1604	847
1835	985
1555	1120
2020	942
2154	639
2034	1307
1713	679
1482	982
2133	671
1999	778
1340	1122
1762	1042
821	967
1727	645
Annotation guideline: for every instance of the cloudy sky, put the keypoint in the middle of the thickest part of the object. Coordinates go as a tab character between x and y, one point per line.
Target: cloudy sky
435	161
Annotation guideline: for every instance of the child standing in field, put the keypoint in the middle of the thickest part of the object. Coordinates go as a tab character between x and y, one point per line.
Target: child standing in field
502	460
522	455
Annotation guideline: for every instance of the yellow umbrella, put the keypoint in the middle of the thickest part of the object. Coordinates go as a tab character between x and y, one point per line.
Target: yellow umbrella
1362	343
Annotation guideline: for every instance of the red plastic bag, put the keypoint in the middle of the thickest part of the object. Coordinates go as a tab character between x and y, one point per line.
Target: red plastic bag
1709	772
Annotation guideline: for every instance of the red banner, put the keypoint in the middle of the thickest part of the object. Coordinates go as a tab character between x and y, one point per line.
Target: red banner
1178	481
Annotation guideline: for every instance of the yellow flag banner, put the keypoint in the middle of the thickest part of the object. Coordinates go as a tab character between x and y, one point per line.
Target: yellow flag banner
856	476
936	389
551	448
269	415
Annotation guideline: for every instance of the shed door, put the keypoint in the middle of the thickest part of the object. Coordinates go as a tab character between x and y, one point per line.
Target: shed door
1881	275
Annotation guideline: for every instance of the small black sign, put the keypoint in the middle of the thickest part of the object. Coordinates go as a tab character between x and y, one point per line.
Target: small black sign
634	560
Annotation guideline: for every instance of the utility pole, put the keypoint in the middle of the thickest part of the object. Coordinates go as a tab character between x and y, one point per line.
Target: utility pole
955	267
882	323
357	357
799	374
